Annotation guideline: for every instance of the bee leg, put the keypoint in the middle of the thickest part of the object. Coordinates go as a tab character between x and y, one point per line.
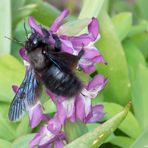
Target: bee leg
57	43
81	53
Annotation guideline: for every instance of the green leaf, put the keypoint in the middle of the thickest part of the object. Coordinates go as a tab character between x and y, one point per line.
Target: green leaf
118	88
122	23
5	125
5	128
21	13
139	81
97	136
74	130
140	28
23	128
129	126
16	4
139	37
121	141
4	143
12	72
5	26
142	5
23	141
45	13
142	141
132	52
91	9
77	27
139	78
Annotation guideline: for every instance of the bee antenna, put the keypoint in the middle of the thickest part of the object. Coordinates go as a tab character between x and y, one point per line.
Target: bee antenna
25	30
15	40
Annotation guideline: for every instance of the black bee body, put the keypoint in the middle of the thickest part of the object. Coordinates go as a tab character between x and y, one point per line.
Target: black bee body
50	66
54	67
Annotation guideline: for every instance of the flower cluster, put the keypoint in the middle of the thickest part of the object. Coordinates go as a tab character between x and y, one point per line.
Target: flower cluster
78	107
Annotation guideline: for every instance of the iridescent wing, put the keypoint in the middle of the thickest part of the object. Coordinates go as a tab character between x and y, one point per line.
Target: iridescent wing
25	97
64	60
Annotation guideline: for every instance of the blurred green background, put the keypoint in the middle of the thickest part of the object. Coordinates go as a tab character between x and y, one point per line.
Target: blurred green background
123	43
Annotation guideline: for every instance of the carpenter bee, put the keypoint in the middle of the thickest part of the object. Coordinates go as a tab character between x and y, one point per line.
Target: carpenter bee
49	66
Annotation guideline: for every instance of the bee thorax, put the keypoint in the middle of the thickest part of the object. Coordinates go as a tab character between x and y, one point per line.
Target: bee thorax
37	59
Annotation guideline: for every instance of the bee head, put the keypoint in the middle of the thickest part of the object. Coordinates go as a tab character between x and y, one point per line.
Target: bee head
32	42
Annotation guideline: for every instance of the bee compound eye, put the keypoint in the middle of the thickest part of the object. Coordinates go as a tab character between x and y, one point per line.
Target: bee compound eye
35	41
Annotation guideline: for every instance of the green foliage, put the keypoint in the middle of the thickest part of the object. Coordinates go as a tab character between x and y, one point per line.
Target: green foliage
118	88
123	43
141	140
98	135
5	26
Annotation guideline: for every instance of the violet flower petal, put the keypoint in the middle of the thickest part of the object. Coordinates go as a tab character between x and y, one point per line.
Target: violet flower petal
36	115
15	88
87	68
59	144
42	138
93	28
83	106
97	114
84	39
93	55
34	25
56	24
97	83
66	46
54	125
22	53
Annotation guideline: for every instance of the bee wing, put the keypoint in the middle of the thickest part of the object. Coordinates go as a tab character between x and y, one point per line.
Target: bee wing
25	97
63	59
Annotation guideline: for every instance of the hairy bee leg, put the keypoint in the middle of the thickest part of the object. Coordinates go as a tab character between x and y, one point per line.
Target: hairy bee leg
57	43
81	53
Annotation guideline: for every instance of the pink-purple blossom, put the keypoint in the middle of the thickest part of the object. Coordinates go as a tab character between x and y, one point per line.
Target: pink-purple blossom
78	107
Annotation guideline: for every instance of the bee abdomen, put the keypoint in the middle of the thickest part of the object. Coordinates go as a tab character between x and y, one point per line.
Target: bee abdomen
61	83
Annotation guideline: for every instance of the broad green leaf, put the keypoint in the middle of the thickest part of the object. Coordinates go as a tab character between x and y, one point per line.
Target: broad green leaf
129	126
91	9
122	23
21	13
5	125
5	26
140	28
132	52
139	37
74	130
142	5
45	13
17	4
139	78
117	6
23	141
139	81
7	129
98	135
12	72
121	141
142	141
23	128
4	143
74	27
118	88
91	126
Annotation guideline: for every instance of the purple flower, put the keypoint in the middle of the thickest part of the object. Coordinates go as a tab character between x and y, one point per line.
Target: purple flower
76	108
79	107
45	139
